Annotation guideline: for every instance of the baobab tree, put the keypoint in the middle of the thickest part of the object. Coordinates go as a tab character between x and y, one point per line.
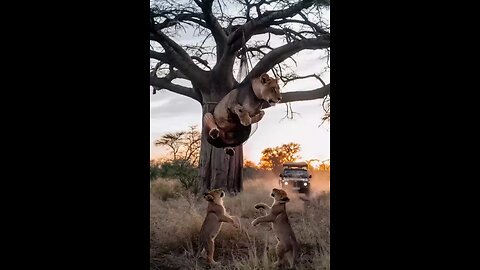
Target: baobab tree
232	30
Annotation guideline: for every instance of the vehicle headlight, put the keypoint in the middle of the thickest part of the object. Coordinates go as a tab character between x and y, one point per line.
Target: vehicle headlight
286	183
305	184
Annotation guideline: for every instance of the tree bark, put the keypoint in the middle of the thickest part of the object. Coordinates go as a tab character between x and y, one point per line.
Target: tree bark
217	169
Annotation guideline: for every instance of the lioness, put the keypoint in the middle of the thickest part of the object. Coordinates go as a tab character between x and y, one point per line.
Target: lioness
213	222
230	123
287	242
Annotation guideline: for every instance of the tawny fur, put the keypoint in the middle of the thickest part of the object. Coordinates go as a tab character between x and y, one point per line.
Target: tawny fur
212	224
287	246
229	124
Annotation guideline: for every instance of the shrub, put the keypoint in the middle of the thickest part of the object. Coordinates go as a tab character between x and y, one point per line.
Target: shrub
164	189
182	170
154	170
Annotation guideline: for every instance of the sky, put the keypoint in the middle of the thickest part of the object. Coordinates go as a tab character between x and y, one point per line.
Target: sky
171	112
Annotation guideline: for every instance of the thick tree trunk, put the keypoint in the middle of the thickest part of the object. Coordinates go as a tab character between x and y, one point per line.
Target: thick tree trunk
217	169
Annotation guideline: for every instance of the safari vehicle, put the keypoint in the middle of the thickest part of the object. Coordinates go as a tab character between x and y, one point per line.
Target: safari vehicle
295	176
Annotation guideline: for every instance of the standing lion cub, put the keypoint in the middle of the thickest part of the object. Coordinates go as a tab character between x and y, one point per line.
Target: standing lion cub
287	243
213	222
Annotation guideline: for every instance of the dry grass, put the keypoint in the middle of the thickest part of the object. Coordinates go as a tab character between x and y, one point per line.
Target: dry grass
165	189
175	223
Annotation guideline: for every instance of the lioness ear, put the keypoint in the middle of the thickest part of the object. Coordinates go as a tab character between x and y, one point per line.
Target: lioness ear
209	197
222	194
264	78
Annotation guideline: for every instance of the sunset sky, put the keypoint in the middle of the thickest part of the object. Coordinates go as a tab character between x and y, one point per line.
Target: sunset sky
172	112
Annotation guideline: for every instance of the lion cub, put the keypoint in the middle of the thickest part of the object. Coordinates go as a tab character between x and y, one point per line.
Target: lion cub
213	222
287	243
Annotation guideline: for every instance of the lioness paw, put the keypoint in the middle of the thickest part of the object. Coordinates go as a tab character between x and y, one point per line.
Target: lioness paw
246	121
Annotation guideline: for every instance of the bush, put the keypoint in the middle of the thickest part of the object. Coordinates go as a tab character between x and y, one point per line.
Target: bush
182	170
175	225
154	170
164	189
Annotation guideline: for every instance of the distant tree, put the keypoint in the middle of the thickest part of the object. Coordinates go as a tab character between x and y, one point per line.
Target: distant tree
311	163
182	164
173	140
325	166
273	158
184	145
154	169
249	164
183	171
269	33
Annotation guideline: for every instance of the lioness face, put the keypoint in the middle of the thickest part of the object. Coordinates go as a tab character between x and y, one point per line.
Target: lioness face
214	195
270	90
280	195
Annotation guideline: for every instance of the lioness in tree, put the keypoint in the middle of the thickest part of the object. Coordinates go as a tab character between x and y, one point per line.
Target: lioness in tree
230	123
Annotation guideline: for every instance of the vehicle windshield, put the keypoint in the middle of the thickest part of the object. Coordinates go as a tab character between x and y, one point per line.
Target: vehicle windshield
295	173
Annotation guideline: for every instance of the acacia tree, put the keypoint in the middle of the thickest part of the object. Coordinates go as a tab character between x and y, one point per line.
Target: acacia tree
184	145
231	29
273	158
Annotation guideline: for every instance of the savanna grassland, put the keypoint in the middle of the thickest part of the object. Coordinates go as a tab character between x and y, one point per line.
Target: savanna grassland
176	216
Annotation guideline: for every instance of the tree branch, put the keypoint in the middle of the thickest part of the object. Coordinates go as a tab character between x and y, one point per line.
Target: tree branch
212	24
314	26
306	95
244	32
264	21
287	97
182	16
164	83
159	56
178	57
201	61
288	79
281	53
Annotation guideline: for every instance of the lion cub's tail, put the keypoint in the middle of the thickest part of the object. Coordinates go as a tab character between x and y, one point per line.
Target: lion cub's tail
262	206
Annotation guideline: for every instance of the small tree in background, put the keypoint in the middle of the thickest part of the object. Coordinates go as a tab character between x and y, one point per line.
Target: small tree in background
204	67
184	155
273	158
183	145
154	169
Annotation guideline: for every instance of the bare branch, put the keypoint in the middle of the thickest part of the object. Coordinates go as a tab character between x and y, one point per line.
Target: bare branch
178	57
213	24
288	79
289	114
159	56
201	61
178	16
162	83
264	21
281	53
306	95
255	49
314	26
